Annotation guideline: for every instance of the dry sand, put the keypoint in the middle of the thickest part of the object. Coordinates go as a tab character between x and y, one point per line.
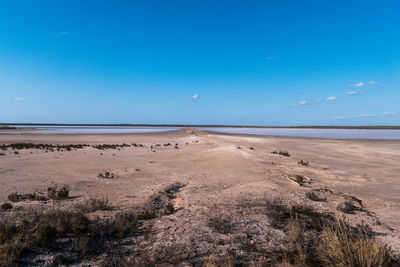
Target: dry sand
220	172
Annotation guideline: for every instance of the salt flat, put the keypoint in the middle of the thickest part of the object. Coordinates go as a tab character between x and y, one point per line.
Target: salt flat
220	174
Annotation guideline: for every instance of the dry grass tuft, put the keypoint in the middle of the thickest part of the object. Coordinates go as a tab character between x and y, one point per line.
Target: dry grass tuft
340	246
221	223
94	204
228	260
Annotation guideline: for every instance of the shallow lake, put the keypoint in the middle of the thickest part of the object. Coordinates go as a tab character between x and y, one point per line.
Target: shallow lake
288	132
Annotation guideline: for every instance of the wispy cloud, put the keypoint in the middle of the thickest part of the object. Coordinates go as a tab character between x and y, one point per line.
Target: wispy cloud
301	103
373	82
19	99
269	57
360	84
352	93
195	96
316	101
389	113
353	116
61	33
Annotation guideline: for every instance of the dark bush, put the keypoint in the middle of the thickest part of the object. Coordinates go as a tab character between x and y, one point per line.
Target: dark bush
221	223
6	206
282	153
347	207
54	193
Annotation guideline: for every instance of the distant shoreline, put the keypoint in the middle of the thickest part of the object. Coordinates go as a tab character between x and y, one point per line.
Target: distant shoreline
377	127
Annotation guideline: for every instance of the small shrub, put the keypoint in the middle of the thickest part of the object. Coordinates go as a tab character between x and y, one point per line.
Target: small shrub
312	196
221	223
7	231
282	153
59	223
277	212
106	175
145	213
169	209
6	206
280	214
304	163
15	197
347	207
122	224
171	255
94	204
10	253
54	193
172	189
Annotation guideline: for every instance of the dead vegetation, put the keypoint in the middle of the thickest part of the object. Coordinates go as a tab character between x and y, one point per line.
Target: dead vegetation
221	223
46	147
342	246
94	204
52	193
72	233
106	175
304	163
16	197
313	196
282	153
309	237
6	206
58	194
347	207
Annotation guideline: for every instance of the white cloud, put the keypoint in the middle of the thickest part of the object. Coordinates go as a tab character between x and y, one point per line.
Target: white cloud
196	96
360	84
331	98
319	99
18	99
352	93
373	82
269	58
301	103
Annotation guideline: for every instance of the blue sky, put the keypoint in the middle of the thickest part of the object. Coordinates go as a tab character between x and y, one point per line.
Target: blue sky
200	62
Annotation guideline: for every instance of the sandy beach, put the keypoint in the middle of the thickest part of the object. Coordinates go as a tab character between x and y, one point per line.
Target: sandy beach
219	175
